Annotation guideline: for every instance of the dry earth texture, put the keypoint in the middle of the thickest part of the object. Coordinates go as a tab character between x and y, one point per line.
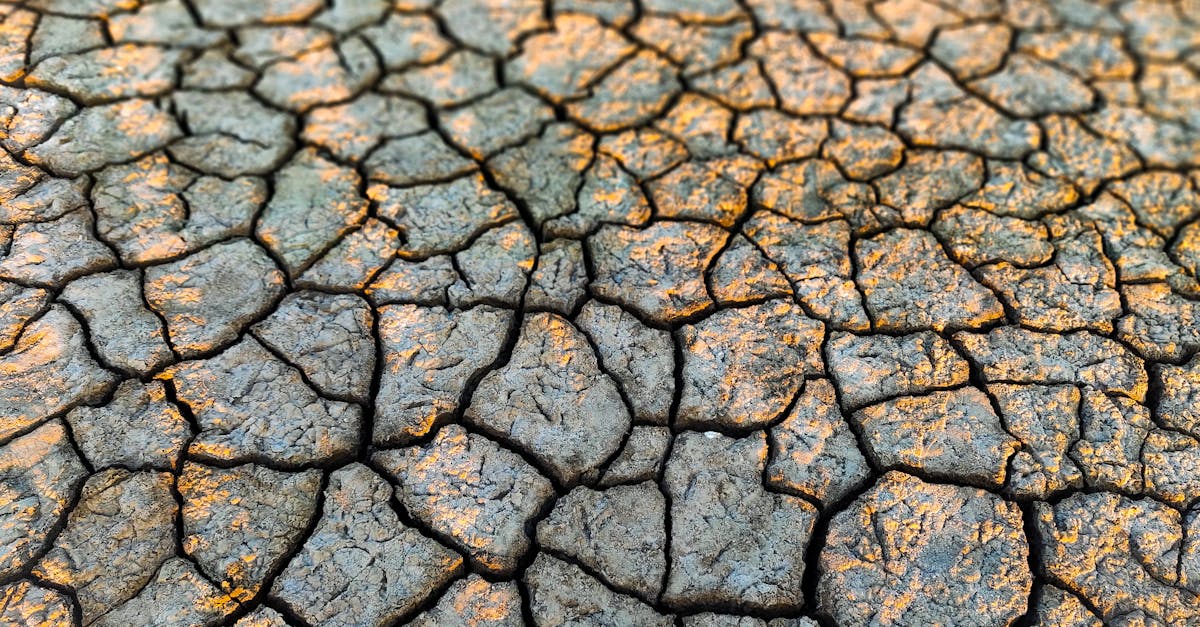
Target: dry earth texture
599	312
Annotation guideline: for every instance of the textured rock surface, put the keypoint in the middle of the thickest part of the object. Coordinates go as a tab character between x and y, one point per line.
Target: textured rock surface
641	458
815	259
105	134
219	145
20	304
495	269
1012	354
442	217
763	313
1045	418
354	260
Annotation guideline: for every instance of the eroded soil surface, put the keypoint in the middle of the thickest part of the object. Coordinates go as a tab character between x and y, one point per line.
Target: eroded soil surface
599	312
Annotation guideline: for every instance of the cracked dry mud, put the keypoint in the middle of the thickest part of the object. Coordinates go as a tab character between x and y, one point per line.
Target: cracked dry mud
767	313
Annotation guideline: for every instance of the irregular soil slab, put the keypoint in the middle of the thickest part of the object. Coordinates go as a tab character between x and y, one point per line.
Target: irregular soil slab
741	367
619	533
872	368
1124	557
51	357
748	550
361	565
953	435
115	540
240	523
327	336
641	358
562	594
909	284
475	601
430	356
208	298
814	452
250	406
472	492
40	471
909	552
658	272
552	400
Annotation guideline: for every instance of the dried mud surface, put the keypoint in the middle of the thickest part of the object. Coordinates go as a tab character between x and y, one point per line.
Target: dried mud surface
599	312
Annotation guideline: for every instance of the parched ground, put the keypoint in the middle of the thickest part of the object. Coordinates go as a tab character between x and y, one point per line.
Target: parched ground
599	312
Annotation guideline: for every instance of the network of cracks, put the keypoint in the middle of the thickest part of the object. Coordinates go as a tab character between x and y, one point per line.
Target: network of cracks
599	312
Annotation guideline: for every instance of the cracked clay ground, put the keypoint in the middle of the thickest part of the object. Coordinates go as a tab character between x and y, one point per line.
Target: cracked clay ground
701	313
